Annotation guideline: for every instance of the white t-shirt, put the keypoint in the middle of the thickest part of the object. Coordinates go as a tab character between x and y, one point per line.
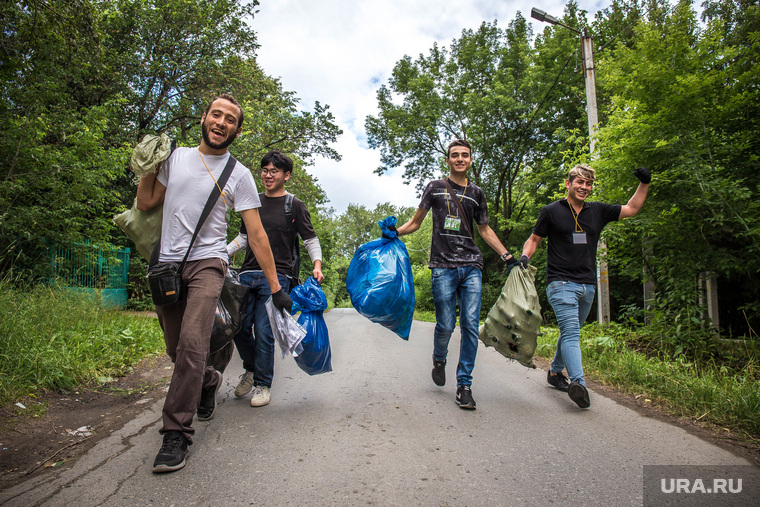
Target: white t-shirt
188	185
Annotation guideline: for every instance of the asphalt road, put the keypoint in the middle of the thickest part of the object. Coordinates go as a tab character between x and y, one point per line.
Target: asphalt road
377	431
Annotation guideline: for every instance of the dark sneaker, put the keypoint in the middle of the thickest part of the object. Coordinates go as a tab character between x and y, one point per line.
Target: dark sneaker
172	455
558	380
464	397
207	405
439	372
579	394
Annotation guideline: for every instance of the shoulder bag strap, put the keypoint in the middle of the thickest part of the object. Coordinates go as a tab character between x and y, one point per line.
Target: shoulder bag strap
454	198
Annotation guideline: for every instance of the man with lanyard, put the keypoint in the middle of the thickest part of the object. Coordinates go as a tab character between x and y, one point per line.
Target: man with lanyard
573	227
257	349
456	263
183	184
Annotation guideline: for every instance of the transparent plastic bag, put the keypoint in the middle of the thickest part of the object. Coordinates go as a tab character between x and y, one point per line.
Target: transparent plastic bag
313	355
288	334
380	281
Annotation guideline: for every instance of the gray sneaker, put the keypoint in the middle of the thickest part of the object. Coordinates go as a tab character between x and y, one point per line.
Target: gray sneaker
245	385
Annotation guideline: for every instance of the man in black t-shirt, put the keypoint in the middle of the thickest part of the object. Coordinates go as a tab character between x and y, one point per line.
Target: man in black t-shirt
256	348
572	227
456	264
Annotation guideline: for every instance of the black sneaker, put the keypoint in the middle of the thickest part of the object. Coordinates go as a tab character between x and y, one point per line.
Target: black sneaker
207	405
172	455
439	372
579	394
558	380
464	397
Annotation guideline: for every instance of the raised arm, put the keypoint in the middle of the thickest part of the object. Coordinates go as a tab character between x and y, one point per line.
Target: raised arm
150	192
637	201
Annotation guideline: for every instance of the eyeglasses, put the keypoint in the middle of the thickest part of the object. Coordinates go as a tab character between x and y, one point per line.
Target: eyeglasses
272	172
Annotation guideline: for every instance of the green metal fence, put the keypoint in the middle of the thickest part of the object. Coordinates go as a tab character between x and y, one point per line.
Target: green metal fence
102	271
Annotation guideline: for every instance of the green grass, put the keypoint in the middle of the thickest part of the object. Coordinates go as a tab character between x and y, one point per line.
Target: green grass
721	395
53	339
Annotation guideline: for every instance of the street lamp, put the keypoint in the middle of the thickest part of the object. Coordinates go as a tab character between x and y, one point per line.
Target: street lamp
603	278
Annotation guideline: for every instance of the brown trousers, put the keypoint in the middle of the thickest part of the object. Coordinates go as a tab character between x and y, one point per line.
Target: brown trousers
187	327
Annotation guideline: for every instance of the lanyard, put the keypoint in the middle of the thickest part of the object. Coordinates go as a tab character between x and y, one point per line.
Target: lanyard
448	208
212	177
578	227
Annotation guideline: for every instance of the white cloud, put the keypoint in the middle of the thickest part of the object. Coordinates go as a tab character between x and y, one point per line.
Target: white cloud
339	52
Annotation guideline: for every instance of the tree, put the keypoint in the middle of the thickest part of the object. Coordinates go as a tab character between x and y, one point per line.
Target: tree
685	103
474	90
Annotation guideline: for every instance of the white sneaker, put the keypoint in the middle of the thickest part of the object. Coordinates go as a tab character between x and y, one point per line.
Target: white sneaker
245	385
260	396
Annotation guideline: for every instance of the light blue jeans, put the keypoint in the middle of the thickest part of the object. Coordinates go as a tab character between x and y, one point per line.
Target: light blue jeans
451	286
571	303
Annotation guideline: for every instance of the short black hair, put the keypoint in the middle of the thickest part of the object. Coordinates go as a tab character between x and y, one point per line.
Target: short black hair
279	160
458	142
230	98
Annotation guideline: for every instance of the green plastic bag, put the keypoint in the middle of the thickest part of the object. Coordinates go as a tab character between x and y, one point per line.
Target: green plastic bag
513	323
142	227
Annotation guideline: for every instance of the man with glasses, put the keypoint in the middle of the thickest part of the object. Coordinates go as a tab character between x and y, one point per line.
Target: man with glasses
284	218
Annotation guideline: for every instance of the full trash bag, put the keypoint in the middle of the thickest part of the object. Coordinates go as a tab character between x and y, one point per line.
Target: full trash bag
513	323
144	227
380	281
314	356
229	311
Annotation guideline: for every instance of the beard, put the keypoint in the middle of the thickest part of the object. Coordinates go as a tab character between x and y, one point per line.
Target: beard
217	146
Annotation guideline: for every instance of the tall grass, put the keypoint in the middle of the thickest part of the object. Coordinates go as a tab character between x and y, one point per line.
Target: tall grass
708	391
57	339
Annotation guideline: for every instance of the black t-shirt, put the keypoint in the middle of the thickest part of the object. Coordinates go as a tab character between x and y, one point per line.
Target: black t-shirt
569	261
281	235
454	248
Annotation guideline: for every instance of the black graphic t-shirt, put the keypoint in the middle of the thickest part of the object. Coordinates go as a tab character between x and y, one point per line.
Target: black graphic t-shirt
452	248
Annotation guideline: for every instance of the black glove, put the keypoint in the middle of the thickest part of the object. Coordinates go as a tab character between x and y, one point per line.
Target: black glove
391	228
643	174
282	301
524	261
511	263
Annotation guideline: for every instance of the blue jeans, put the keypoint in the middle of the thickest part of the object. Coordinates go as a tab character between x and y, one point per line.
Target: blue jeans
571	303
452	286
256	348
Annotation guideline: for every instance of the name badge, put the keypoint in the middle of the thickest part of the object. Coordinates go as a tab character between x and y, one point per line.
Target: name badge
452	223
579	238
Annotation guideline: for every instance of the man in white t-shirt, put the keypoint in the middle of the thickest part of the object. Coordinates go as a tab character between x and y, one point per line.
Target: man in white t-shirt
183	185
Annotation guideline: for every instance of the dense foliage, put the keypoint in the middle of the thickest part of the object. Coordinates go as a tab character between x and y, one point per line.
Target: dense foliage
675	94
82	81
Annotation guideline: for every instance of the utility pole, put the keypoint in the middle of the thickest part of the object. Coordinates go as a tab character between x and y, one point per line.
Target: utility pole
587	49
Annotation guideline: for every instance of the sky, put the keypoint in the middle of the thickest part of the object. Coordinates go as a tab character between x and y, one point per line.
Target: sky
339	53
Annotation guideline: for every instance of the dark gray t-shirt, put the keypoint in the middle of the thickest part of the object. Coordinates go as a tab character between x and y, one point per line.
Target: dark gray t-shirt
451	248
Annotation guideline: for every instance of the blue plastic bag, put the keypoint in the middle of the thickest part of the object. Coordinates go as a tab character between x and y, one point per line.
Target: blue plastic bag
314	352
380	281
